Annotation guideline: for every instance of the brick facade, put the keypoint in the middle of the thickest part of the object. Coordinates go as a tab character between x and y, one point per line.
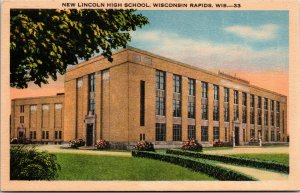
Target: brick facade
103	100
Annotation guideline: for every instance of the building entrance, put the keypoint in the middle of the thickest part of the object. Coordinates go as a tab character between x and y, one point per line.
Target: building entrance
89	134
21	135
237	135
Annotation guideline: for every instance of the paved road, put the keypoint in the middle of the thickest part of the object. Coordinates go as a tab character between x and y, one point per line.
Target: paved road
57	149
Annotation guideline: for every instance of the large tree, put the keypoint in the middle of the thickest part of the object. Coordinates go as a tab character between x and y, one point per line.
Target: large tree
44	42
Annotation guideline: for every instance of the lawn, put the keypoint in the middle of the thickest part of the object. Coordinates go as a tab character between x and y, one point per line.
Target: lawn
281	158
98	167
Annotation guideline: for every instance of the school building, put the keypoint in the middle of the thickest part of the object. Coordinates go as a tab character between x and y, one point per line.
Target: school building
143	96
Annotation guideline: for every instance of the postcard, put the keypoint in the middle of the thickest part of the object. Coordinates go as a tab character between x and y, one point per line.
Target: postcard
150	95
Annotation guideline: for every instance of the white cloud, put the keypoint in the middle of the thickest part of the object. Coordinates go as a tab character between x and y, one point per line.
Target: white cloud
263	32
211	55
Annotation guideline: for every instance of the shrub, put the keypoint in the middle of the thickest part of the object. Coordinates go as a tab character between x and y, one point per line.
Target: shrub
102	144
75	143
14	141
236	160
191	145
29	164
219	143
210	169
144	146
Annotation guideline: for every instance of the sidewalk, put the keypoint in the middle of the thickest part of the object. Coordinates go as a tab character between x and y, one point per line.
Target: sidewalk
259	174
57	149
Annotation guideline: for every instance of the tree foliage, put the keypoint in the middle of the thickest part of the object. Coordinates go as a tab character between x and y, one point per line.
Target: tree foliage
44	42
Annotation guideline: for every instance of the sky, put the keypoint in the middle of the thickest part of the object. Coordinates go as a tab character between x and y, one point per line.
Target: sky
251	44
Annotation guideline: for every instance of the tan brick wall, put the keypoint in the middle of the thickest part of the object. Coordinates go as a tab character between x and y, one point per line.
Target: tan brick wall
36	120
117	108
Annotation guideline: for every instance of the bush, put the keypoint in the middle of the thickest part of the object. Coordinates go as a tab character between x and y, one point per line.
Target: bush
236	160
219	143
29	164
102	144
191	145
75	143
210	169
144	146
14	141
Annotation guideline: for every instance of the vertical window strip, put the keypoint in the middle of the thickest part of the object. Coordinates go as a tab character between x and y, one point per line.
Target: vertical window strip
142	103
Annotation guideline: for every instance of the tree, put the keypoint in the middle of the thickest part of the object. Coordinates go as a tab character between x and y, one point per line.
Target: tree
44	42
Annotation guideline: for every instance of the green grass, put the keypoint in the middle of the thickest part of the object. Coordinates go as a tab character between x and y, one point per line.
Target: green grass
280	158
97	167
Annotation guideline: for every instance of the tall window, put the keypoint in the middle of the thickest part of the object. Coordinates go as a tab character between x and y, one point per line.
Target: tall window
177	98
259	102
191	87
277	114
236	113
160	93
272	113
226	95
226	114
216	133
176	83
216	92
191	109
160	132
251	115
176	132
21	119
252	100
225	134
252	133
216	104
259	119
244	99
142	103
244	115
176	108
266	135
191	99
92	81
92	105
204	112
204	89
266	117
21	108
191	132
236	97
272	136
160	80
204	133
216	112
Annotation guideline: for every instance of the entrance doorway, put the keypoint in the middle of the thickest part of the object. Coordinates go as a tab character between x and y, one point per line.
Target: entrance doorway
21	135
89	134
237	135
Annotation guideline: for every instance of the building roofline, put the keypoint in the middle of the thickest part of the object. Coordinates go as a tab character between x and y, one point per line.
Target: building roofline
241	81
40	97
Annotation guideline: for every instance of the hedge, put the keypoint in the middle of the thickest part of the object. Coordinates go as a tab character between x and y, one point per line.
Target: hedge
212	170
270	165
